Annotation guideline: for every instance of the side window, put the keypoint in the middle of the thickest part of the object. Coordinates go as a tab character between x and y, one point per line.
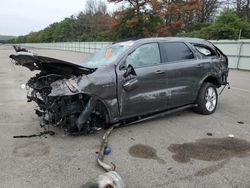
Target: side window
145	55
176	51
205	51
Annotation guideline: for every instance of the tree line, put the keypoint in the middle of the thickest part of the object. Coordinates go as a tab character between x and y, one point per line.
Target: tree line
208	19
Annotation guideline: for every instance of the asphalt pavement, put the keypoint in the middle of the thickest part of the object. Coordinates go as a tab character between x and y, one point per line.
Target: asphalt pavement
184	149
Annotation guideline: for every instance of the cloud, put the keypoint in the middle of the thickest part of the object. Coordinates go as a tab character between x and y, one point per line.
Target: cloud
21	17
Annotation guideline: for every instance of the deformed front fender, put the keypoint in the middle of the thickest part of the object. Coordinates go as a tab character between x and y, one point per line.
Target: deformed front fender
84	85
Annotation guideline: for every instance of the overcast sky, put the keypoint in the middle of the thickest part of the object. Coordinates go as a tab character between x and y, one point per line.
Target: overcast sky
19	17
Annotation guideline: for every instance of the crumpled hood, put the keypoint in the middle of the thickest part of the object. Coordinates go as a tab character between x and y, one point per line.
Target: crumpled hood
48	64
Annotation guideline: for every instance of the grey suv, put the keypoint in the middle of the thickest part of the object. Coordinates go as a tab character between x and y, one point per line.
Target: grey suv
126	82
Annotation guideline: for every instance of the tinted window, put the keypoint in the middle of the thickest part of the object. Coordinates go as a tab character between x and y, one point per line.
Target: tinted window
145	55
176	51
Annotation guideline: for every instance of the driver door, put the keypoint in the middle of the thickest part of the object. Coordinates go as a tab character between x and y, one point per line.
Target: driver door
142	85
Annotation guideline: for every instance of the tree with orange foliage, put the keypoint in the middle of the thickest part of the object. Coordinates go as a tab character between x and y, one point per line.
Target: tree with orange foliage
132	18
175	14
147	18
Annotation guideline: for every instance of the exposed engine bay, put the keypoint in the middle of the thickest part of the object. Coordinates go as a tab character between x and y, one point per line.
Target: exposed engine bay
77	113
74	113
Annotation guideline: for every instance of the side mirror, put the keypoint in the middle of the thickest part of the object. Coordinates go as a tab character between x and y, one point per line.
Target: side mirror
129	71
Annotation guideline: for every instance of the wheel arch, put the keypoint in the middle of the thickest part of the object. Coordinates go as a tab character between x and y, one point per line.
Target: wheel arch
107	110
211	79
101	104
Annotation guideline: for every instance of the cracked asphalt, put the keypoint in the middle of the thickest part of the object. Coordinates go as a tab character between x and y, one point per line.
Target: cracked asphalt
164	152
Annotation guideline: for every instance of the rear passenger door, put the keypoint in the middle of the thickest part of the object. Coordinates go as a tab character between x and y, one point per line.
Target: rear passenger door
184	71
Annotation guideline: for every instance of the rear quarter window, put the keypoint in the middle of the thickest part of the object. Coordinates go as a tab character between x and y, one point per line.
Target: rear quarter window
204	50
175	51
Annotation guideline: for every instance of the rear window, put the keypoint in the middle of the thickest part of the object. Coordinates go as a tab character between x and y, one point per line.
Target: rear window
176	51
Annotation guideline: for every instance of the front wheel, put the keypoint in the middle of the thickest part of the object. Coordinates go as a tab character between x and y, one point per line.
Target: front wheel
207	99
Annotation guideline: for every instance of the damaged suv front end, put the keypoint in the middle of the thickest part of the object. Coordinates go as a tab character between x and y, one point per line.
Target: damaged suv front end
69	95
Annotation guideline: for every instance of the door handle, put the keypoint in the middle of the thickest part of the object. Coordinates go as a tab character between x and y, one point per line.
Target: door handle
130	85
159	72
199	65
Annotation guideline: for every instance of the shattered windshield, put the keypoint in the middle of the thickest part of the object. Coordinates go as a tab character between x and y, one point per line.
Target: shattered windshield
106	55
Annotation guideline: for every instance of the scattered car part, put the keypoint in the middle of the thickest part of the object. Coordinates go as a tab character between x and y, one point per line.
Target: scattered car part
209	134
109	179
23	86
107	150
240	122
51	133
104	144
225	87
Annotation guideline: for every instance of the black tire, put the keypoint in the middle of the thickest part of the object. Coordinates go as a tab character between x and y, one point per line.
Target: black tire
207	99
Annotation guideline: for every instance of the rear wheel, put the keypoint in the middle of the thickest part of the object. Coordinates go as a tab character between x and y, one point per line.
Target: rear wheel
207	99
